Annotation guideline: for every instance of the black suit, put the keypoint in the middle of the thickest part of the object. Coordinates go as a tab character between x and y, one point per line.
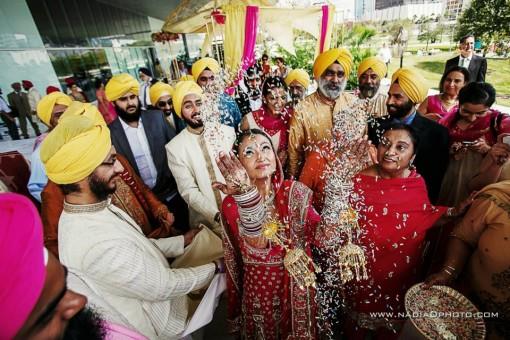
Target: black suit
158	134
432	156
477	67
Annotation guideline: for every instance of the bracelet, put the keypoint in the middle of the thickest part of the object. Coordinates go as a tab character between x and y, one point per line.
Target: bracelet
450	212
448	272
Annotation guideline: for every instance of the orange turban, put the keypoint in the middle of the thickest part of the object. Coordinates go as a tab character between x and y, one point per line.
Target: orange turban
182	89
374	63
200	65
300	76
48	102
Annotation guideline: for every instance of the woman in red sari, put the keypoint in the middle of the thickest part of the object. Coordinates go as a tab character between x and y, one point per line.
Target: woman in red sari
394	214
473	129
265	300
273	117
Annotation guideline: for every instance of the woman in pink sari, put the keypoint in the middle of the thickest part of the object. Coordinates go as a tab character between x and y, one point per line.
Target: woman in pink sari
273	117
473	129
265	300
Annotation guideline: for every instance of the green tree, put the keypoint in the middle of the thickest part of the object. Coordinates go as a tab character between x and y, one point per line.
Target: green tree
488	20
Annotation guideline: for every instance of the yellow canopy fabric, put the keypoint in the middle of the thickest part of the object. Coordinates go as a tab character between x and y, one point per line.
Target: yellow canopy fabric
182	89
234	36
48	102
75	148
412	83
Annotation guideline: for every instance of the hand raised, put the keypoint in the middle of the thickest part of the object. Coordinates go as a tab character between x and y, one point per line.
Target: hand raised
236	177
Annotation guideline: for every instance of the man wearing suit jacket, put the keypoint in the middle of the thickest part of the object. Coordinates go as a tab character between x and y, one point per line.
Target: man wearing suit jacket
406	91
18	101
477	66
140	136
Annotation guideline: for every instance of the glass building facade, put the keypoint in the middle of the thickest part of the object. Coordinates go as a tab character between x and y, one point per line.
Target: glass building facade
59	42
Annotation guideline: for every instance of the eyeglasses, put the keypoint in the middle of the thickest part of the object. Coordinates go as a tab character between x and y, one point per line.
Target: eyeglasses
204	79
163	103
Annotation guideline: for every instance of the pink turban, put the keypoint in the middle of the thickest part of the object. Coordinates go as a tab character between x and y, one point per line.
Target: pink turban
22	263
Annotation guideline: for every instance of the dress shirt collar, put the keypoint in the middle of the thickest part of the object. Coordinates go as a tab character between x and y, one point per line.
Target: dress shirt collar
406	121
126	126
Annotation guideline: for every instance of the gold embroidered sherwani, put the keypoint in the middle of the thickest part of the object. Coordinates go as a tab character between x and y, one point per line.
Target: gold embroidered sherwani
311	126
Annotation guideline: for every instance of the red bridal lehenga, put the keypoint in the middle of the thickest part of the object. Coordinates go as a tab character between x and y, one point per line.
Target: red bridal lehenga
264	301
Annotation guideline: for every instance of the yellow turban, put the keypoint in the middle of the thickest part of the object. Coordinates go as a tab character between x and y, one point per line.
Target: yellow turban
300	75
182	89
412	83
374	63
200	65
119	85
84	109
75	148
48	102
325	59
186	77
159	90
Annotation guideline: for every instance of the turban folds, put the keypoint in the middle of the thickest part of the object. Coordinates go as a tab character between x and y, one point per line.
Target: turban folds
159	90
186	77
200	65
325	59
182	89
84	109
300	76
119	85
27	83
22	262
76	147
412	83
374	63
48	102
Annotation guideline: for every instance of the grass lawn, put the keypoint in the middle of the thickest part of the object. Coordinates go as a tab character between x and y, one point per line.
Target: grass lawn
498	72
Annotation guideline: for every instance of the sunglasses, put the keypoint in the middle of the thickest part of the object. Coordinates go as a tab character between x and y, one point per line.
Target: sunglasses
163	103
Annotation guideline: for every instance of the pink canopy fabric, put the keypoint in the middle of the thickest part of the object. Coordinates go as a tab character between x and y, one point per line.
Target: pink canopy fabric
22	264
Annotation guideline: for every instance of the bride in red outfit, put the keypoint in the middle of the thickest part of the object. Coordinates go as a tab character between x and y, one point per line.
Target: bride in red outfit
265	300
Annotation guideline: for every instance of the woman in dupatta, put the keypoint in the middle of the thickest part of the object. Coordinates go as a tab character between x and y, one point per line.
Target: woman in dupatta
273	117
478	251
473	129
394	214
265	300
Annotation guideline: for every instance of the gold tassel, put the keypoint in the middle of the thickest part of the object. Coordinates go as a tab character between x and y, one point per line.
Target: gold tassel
351	257
296	261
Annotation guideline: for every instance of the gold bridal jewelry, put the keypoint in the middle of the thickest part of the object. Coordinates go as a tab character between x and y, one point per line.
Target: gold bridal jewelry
351	257
296	261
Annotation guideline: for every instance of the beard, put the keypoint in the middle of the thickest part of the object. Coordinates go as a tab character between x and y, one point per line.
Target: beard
191	123
100	187
368	91
86	325
330	89
400	111
128	117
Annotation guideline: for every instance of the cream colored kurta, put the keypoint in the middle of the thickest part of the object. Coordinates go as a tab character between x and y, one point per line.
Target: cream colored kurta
194	171
311	126
129	271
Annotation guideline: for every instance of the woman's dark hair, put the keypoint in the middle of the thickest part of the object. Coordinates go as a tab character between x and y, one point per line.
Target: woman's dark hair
477	93
280	59
460	69
98	82
272	82
410	130
246	133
